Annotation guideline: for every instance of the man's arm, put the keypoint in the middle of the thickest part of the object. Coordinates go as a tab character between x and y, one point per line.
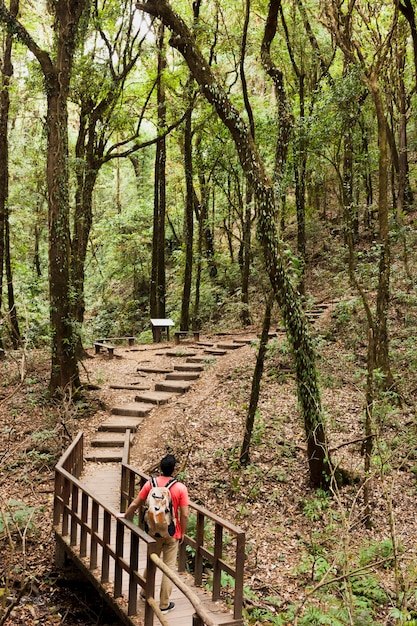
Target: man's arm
135	504
183	515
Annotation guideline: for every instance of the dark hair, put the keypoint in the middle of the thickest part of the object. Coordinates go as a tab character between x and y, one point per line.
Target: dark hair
168	464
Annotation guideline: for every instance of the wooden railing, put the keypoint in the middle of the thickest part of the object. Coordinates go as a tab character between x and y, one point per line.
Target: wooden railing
90	532
201	554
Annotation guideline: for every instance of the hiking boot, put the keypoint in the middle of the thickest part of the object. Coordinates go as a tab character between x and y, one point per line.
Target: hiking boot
168	608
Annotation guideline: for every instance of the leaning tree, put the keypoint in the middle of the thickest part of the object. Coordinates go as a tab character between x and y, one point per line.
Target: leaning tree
263	189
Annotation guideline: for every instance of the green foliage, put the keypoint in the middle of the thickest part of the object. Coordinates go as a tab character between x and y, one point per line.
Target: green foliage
18	518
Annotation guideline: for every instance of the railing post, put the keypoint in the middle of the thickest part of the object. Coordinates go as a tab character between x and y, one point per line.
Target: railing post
198	559
239	575
105	561
66	491
218	553
118	571
134	564
94	530
57	496
84	518
74	511
150	583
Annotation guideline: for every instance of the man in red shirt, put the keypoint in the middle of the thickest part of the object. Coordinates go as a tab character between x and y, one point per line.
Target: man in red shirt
167	545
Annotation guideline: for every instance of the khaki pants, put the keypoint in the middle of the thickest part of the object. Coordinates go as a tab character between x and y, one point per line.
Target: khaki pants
168	546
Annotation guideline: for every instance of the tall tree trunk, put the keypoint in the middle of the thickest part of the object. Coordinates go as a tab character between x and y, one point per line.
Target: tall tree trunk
188	223
286	295
300	167
157	288
6	73
382	360
5	261
247	213
82	222
57	74
256	384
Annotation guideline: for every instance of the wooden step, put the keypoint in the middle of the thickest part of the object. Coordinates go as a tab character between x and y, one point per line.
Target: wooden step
154	370
133	409
243	341
180	353
104	455
197	359
188	367
109	440
183	376
120	424
154	397
215	351
138	387
228	346
173	386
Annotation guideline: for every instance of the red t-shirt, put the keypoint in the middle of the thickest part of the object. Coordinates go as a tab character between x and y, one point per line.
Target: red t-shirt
179	497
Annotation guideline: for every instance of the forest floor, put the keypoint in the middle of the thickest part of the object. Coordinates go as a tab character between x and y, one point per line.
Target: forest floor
307	550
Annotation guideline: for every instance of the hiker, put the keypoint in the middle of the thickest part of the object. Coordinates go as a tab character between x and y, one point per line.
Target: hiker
168	545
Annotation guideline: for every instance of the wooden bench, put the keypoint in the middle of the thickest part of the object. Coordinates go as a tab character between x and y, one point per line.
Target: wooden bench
130	340
185	333
110	349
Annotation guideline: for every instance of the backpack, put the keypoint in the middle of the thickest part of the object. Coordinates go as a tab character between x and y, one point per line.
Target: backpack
158	514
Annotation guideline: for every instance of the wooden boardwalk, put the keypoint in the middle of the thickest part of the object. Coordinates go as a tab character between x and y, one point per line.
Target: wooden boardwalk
92	486
112	553
104	481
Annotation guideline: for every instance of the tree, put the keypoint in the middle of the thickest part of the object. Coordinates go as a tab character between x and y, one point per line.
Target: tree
97	88
56	68
372	69
263	189
157	290
5	261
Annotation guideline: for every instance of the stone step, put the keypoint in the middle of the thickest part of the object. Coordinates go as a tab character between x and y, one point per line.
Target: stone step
120	424
173	386
104	455
154	370
183	376
228	346
133	409
184	367
205	344
154	397
138	387
109	440
243	342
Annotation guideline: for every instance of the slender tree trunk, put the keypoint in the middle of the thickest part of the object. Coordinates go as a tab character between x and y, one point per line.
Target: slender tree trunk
83	219
13	317
5	261
382	360
256	384
368	443
286	295
157	288
300	166
188	223
247	213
